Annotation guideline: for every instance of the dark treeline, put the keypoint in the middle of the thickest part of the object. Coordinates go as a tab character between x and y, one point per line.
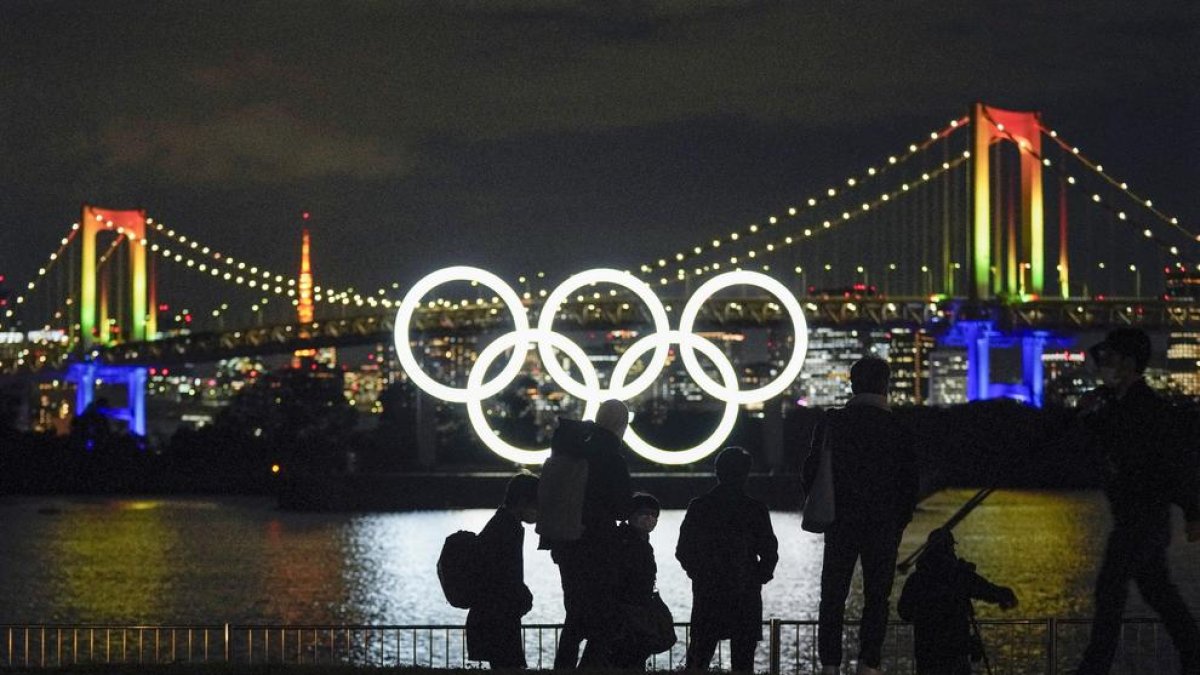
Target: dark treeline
303	425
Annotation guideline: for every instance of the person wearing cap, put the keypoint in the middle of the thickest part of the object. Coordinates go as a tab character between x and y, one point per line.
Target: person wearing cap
937	600
729	550
637	574
875	486
1148	466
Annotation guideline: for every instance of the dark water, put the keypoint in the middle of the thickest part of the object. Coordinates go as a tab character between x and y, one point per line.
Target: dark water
199	560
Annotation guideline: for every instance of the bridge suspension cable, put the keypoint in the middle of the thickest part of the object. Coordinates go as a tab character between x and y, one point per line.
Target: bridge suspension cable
1123	186
657	268
809	231
43	271
260	275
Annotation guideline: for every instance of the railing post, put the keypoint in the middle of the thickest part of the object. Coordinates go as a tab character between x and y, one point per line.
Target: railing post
226	643
1052	646
775	647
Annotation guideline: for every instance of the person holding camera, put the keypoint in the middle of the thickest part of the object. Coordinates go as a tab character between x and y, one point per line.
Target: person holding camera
937	600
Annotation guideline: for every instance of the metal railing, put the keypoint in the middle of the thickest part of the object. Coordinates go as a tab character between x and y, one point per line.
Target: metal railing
1047	646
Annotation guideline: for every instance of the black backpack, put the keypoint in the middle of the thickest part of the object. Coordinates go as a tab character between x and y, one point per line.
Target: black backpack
458	568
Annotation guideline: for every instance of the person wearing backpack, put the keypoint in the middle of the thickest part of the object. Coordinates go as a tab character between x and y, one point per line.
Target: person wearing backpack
500	596
1149	457
582	532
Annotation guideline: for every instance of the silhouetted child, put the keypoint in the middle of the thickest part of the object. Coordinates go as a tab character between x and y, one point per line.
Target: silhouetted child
937	600
636	574
494	620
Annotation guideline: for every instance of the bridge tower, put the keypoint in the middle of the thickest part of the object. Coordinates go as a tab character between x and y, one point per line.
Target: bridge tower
93	314
990	126
132	225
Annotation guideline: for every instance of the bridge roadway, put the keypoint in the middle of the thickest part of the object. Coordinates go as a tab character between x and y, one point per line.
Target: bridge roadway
611	313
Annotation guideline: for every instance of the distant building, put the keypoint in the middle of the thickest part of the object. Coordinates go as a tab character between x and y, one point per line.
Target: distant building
908	355
825	379
1183	361
947	377
362	387
1066	377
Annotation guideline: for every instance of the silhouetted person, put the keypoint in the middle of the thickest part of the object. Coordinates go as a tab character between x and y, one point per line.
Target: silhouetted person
1146	449
636	573
587	565
875	493
494	620
937	600
728	549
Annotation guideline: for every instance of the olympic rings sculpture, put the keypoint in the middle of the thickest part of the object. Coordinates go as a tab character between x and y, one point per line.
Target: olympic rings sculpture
522	338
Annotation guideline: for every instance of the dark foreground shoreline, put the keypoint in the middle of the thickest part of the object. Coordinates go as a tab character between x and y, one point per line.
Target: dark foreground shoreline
258	669
479	490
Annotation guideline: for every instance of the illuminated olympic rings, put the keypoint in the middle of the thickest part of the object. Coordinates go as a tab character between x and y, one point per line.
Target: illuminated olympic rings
522	338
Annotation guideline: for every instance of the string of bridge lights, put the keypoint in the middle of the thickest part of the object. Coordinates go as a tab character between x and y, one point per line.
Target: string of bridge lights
751	256
241	273
1095	197
1120	185
247	279
44	270
852	182
1124	217
320	294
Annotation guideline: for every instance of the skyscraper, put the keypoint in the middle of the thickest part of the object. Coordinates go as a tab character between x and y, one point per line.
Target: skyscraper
947	377
908	355
1183	361
825	379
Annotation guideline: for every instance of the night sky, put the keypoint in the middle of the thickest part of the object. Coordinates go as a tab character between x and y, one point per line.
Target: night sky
524	135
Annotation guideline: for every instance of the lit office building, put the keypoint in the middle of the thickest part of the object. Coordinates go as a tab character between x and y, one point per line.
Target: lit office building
947	377
908	355
825	379
1183	361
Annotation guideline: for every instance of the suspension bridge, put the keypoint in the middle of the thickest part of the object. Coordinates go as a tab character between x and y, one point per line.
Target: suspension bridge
993	230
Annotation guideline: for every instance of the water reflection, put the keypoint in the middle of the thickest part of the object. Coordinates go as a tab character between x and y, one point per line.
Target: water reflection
241	560
113	560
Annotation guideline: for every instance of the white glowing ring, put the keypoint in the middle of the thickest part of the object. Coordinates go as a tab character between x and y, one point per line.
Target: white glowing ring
687	321
728	419
520	341
618	278
409	305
